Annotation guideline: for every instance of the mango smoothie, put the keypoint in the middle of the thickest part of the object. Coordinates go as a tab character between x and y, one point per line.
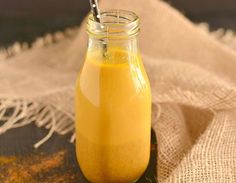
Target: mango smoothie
113	116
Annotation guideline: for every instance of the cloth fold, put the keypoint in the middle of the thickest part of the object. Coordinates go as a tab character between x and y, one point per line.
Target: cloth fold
193	82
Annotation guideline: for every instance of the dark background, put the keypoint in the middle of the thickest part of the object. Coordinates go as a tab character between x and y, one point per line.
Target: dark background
218	13
24	20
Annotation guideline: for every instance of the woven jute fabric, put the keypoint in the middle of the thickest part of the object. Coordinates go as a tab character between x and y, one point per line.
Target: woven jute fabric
192	74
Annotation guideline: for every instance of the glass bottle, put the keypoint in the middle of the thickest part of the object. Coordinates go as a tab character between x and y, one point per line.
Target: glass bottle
113	102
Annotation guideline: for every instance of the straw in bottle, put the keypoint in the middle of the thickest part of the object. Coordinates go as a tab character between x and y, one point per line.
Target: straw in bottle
97	17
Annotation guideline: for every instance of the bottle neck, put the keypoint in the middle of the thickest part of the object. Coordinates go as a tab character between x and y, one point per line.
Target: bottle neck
103	45
114	39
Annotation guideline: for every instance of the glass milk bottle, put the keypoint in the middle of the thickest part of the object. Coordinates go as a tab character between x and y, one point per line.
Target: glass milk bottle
113	102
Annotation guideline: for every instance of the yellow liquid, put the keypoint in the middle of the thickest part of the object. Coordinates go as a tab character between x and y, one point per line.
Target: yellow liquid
113	117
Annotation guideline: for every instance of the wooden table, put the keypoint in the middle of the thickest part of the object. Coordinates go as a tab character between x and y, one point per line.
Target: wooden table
19	144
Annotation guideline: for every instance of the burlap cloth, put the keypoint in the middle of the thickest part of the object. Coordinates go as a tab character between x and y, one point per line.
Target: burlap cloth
193	77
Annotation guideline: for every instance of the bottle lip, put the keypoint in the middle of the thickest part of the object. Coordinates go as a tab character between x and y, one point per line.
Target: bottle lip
115	24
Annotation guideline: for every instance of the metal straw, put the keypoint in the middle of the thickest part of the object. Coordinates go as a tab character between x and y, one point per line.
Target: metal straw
95	10
97	17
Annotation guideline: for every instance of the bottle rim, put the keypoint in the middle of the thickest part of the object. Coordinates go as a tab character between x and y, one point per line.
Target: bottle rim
115	24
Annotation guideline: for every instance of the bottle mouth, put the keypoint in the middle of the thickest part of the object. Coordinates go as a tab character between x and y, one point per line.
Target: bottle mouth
115	24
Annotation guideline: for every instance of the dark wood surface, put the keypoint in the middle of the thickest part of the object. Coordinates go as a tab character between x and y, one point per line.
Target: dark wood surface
19	143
